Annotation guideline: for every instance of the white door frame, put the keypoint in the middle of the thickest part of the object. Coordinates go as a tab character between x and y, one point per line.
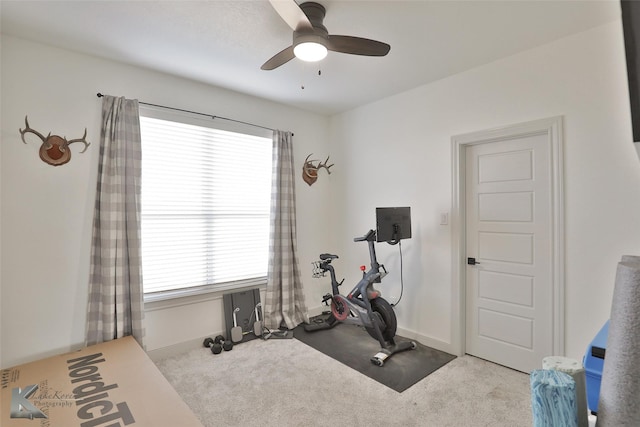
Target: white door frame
552	127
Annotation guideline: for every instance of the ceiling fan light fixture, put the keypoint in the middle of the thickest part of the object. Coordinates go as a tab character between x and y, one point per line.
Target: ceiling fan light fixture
311	40
310	51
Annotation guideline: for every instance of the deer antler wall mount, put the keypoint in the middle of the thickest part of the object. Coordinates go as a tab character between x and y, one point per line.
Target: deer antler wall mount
310	171
54	149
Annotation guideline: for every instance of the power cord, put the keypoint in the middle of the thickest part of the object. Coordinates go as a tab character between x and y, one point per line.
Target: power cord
399	242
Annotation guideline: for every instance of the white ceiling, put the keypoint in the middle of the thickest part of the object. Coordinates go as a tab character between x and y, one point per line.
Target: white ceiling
224	43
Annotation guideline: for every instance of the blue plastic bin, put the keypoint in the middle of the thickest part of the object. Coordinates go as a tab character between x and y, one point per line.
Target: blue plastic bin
593	363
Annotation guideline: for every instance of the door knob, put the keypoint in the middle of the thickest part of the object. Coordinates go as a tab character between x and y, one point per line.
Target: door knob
472	261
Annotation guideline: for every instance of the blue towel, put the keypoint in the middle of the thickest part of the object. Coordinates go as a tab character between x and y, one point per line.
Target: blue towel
553	399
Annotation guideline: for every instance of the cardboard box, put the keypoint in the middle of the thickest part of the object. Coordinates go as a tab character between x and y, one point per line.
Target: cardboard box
109	384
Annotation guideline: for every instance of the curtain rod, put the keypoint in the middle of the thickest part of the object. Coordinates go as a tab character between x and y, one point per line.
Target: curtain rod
201	114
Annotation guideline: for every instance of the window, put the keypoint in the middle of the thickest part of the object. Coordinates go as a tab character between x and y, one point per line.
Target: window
206	196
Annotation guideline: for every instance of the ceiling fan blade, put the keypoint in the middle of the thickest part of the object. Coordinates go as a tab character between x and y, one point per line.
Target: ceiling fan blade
279	59
291	13
357	46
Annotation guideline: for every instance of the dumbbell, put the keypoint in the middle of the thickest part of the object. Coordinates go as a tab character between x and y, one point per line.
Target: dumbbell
210	343
218	344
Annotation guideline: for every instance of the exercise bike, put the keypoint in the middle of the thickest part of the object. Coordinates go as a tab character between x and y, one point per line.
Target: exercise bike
363	305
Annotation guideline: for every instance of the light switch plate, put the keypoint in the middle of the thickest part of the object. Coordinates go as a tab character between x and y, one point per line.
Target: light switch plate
444	218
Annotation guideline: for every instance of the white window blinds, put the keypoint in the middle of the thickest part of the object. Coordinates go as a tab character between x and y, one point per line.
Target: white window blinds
205	208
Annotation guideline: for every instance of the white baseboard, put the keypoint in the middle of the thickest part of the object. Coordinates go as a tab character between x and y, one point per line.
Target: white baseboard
179	348
428	341
316	311
407	333
183	347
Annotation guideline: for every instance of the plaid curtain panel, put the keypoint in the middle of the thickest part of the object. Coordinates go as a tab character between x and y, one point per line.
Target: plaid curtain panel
115	306
284	300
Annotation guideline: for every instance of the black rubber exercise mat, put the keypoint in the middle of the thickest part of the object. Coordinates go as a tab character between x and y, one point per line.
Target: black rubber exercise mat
354	347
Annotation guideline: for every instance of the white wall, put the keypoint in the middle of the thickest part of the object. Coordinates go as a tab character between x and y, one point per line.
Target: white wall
46	212
0	226
393	152
398	152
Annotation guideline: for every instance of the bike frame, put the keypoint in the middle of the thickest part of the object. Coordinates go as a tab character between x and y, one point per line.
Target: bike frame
359	299
360	306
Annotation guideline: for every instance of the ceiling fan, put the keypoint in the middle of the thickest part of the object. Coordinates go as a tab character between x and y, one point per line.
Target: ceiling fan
311	40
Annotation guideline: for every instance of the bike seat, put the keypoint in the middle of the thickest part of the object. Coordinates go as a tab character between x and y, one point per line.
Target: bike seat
325	257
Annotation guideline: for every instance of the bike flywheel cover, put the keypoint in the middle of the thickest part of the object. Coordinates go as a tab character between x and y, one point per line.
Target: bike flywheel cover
339	308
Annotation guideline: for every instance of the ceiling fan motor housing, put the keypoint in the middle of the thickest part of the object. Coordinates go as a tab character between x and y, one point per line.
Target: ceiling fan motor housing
319	34
311	40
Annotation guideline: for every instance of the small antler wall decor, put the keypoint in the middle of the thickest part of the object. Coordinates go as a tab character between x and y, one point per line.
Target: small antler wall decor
54	149
310	171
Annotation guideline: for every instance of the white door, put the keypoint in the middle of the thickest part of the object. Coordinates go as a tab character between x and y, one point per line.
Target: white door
509	232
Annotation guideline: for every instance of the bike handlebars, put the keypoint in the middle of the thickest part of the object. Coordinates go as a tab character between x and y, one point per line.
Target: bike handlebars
370	237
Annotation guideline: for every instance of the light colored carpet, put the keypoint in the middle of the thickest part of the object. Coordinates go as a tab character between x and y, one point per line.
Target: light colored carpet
287	383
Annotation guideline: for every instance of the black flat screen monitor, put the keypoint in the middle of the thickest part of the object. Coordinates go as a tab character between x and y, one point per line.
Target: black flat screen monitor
631	31
393	224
